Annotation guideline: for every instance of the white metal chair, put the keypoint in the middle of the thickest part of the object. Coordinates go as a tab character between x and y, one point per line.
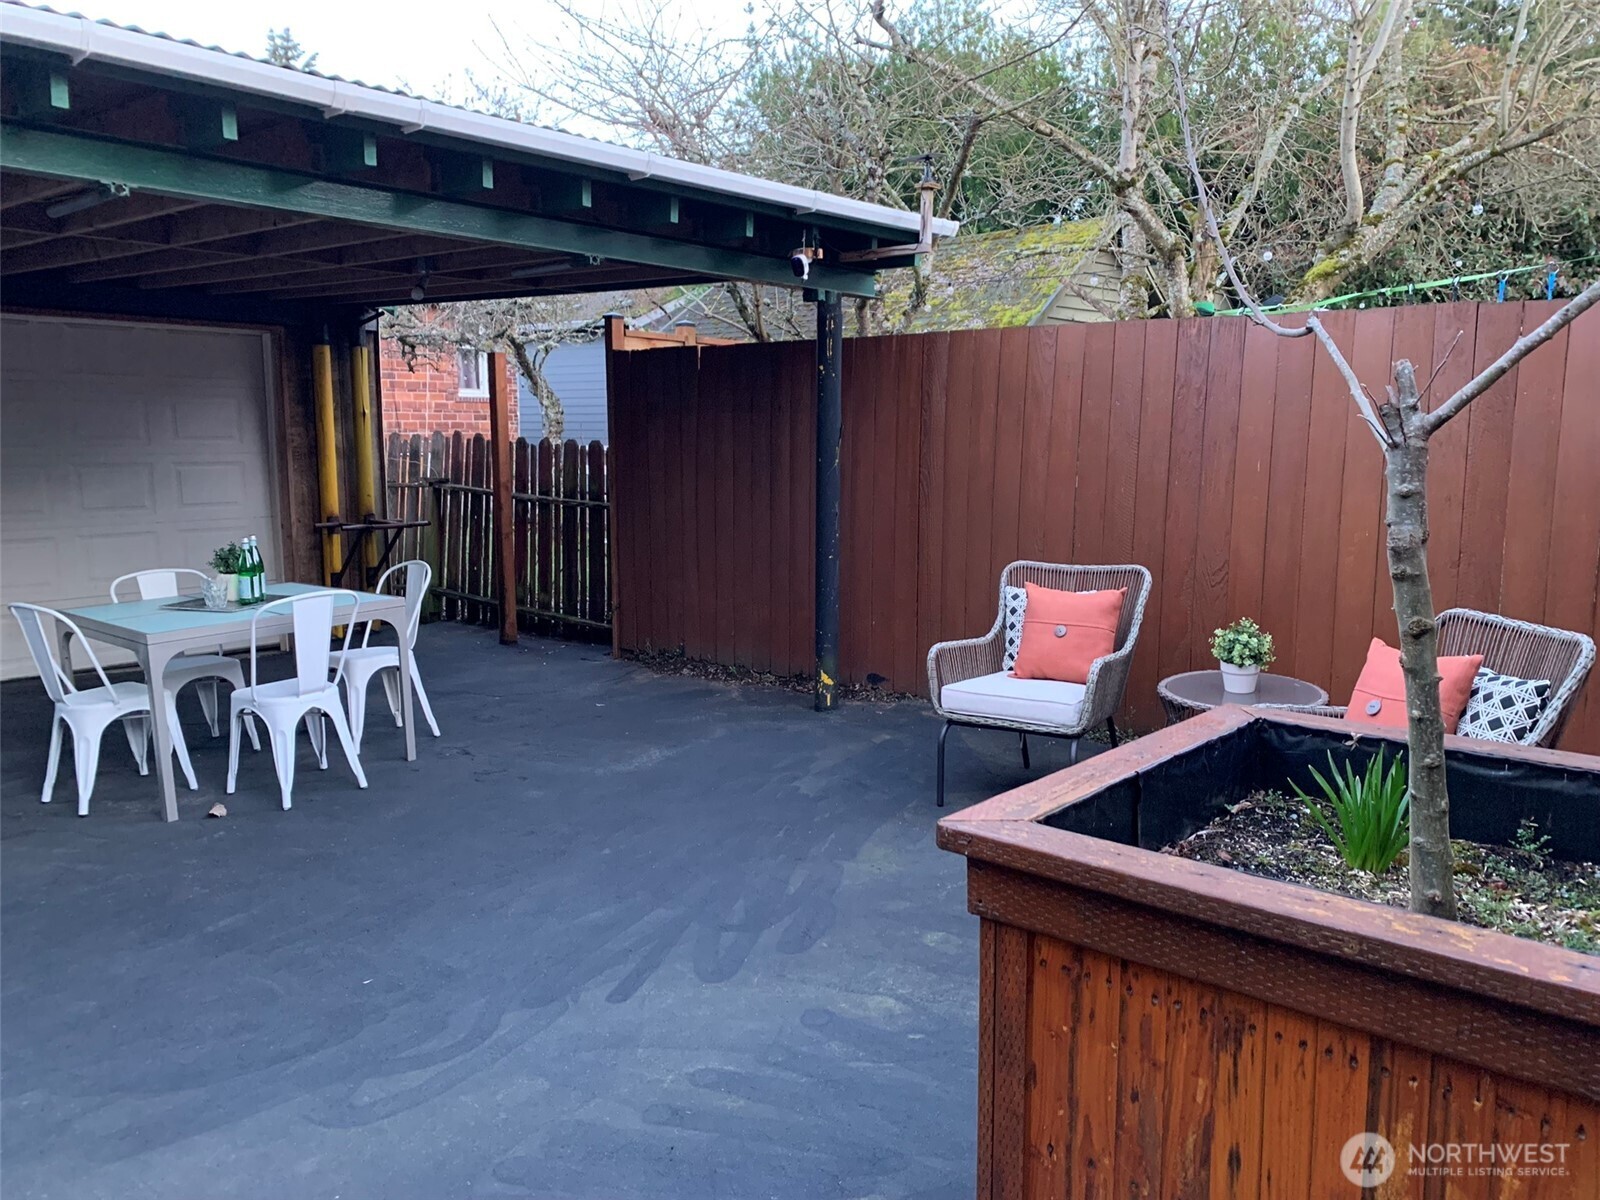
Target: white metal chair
202	670
364	661
309	696
88	711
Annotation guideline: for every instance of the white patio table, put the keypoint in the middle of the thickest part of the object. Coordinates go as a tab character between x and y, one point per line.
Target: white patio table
156	634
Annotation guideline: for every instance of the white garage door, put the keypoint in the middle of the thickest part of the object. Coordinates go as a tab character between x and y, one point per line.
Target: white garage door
124	446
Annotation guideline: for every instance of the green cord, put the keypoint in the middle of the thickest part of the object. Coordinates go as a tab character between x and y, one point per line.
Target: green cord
1404	287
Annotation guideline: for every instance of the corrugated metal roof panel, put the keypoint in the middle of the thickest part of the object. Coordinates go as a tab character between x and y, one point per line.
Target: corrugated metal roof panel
82	38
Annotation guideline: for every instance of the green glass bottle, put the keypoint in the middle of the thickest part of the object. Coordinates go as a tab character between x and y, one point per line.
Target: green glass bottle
261	570
244	571
250	575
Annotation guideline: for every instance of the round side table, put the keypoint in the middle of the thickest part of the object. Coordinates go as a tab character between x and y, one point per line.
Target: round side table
1195	692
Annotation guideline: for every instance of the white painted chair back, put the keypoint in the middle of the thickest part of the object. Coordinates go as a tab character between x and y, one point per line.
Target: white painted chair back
58	683
158	583
312	613
418	575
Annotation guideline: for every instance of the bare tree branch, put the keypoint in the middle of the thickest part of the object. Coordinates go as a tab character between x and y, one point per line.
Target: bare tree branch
1520	349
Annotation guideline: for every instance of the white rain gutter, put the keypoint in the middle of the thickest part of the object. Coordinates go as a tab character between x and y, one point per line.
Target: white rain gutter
81	39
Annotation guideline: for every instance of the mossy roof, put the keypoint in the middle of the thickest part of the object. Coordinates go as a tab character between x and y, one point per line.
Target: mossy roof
980	281
993	280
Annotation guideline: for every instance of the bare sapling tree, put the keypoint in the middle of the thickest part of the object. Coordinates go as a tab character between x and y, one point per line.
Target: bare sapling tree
527	328
1402	427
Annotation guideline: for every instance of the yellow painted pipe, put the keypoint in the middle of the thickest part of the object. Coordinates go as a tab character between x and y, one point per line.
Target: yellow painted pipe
327	457
366	455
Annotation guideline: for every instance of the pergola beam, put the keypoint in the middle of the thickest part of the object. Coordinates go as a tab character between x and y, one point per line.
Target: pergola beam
125	268
98	245
156	255
25	189
13	239
466	262
441	287
114	213
175	173
335	281
267	255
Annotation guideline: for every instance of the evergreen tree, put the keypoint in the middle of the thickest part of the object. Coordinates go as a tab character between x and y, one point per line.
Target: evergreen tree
285	50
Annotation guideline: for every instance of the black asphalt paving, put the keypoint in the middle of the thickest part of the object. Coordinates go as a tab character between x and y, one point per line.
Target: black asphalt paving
616	934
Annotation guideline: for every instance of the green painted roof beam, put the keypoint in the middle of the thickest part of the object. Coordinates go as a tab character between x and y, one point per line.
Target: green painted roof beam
174	173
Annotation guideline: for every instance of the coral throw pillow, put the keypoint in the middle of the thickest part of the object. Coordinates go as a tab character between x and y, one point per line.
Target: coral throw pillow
1380	695
1064	632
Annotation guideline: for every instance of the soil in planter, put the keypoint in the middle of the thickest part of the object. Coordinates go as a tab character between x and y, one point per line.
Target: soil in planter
1515	889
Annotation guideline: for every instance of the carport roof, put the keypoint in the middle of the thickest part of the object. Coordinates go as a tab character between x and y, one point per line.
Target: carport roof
142	173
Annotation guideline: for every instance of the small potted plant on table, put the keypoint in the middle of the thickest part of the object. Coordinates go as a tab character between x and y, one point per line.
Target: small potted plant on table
1242	650
227	561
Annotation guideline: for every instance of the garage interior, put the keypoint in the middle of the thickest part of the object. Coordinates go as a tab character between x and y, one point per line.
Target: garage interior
194	246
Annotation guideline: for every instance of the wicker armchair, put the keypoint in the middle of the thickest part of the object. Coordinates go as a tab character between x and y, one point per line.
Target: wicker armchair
1518	648
1067	710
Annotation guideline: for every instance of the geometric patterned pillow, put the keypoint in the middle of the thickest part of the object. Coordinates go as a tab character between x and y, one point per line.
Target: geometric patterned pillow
1503	708
1016	604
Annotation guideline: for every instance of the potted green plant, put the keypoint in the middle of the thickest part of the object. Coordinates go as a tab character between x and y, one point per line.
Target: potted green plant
227	561
1242	650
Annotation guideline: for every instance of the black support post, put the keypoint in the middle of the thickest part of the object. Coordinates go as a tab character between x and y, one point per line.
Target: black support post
830	350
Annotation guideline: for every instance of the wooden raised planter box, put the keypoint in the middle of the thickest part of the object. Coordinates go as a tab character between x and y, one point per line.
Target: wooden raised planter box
1154	1026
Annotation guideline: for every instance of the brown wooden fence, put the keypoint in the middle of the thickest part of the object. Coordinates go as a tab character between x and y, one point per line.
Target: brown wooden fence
1228	461
560	508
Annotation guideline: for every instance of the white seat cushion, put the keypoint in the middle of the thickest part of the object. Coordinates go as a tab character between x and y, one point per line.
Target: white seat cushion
1004	697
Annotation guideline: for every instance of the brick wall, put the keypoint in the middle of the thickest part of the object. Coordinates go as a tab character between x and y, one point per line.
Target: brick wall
427	397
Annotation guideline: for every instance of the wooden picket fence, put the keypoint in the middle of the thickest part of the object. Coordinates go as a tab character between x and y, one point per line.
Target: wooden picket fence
561	514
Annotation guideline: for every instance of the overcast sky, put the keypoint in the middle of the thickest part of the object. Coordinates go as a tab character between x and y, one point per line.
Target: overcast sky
419	44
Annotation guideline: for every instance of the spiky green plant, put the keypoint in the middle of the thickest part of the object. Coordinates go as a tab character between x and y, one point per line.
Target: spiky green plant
1368	811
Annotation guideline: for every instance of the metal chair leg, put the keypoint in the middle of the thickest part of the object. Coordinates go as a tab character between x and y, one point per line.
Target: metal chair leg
943	733
1111	728
1023	737
1072	753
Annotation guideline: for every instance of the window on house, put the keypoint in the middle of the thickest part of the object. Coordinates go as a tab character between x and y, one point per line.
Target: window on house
474	373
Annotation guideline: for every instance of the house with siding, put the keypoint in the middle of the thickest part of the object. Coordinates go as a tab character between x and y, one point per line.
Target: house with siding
577	373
